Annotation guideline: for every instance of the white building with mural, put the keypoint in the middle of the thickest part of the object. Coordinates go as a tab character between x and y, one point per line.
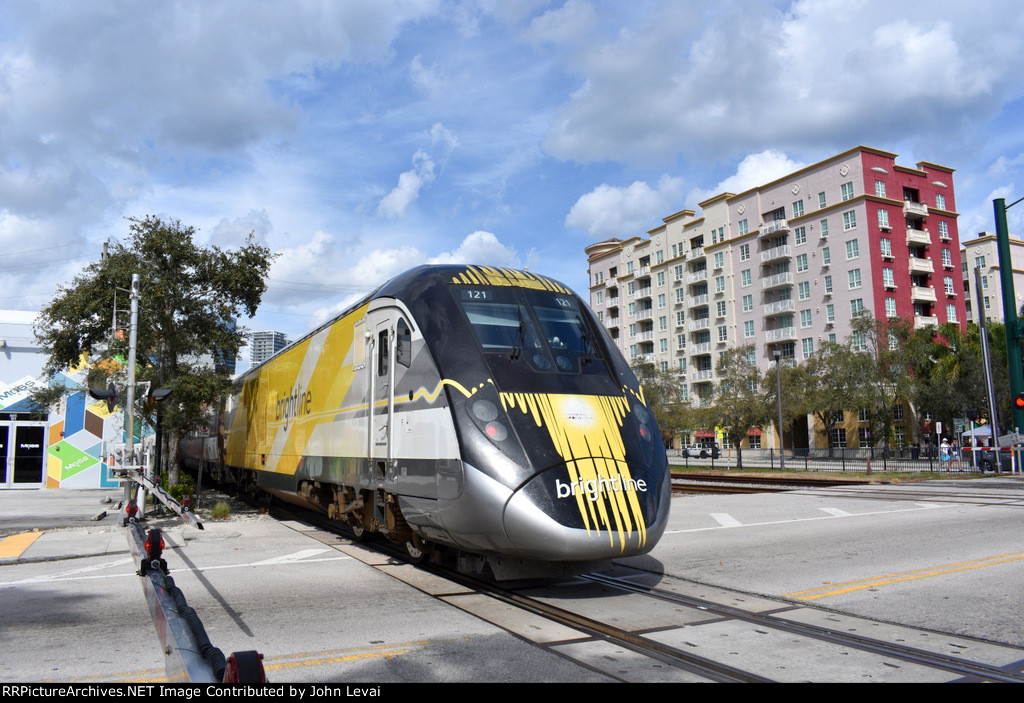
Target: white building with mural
62	447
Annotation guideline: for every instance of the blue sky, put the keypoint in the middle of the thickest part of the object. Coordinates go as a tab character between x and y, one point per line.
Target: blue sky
358	138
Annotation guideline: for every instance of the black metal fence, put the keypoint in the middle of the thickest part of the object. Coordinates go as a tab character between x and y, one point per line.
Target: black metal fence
911	459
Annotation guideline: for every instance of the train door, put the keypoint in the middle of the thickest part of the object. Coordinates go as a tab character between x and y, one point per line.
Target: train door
381	368
22	455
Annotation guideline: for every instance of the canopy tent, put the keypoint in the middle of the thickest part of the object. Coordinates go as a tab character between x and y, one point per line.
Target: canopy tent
983	431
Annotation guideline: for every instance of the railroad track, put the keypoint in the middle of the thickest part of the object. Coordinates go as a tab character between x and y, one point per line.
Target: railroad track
637	626
724	483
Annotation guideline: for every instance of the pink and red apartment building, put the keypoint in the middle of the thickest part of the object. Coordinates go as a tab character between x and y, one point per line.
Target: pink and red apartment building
785	265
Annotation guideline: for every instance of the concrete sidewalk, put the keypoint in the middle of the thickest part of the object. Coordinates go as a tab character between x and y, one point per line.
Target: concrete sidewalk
49	524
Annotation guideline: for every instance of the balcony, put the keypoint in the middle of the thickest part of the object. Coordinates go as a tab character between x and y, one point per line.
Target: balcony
779	307
612	302
779	279
922	321
774	227
702	348
701	376
914	209
697	277
644	292
645	313
783	334
922	294
783	252
697	300
918	265
918	236
696	253
702	324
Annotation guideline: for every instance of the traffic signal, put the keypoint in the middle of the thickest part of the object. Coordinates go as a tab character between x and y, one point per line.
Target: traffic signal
1018	401
109	395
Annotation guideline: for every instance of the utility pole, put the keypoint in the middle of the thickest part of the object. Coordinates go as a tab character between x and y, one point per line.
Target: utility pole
132	342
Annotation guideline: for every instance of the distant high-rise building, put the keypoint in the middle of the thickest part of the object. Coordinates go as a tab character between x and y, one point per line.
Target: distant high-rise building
263	345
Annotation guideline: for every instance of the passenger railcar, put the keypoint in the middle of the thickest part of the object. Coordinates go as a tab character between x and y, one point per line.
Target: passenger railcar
472	410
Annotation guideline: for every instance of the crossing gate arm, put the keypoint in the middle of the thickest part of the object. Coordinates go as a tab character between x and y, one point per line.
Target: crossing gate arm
188	654
164	497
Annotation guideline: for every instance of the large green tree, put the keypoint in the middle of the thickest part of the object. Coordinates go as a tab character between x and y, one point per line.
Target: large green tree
191	296
739	403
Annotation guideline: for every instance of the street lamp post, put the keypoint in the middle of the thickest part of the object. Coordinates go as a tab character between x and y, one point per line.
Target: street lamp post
778	395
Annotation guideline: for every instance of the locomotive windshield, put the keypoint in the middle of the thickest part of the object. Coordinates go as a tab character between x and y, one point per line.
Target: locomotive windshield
542	330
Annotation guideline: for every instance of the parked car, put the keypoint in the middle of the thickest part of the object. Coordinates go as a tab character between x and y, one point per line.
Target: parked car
703	450
986	459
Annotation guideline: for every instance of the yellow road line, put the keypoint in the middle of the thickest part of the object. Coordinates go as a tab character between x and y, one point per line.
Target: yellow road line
15	545
834	589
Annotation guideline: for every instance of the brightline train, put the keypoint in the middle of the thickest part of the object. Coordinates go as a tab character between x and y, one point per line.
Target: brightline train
459	410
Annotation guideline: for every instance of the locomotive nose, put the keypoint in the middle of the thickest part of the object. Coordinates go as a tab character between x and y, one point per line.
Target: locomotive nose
589	509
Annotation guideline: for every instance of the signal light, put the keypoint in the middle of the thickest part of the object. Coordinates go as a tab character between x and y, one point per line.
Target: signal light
1018	400
130	511
154	544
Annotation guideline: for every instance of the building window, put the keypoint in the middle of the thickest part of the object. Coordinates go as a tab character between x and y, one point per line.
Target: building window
948	283
824	228
940	201
748	303
801	262
744	252
849	220
830	313
748	329
885	245
719	259
804	288
808	347
821	199
723	334
745	277
880	189
951	313
883	219
805	318
838	437
943	230
719	284
798	208
887	278
846	191
743	227
828	285
720	308
852	249
856	306
826	256
890	307
947	259
800	235
854	279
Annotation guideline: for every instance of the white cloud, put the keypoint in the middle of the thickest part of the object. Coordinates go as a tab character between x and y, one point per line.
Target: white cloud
720	80
754	170
609	211
395	203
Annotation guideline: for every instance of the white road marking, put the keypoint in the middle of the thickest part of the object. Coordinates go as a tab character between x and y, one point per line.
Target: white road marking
726	520
287	558
835	512
735	523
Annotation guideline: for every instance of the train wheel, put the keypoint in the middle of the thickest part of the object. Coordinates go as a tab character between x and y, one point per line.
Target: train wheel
416	555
